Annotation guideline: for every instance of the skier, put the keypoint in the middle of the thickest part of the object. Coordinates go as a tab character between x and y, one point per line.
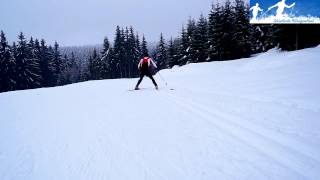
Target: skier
255	10
281	5
145	66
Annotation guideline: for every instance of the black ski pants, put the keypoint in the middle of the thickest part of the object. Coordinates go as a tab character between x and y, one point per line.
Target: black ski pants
148	74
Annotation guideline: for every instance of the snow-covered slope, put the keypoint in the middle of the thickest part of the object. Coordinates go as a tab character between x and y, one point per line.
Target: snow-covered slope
256	118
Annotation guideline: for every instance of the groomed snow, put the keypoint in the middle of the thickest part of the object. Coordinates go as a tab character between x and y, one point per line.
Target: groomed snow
255	118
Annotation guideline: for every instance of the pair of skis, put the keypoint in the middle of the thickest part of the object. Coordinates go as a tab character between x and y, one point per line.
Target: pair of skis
171	89
141	89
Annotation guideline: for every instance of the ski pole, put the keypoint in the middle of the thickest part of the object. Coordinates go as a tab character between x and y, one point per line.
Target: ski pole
163	79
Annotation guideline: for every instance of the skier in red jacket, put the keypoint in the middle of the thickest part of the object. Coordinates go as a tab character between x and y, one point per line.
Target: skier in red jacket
145	66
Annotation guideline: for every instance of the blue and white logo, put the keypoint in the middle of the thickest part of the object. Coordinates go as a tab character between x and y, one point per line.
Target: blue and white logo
285	12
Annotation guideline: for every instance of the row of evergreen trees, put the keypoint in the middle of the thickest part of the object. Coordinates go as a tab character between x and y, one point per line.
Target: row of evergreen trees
119	61
225	34
33	64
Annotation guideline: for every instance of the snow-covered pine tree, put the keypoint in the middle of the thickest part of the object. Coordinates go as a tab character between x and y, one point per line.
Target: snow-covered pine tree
70	71
200	40
78	70
176	45
65	76
132	54
57	61
31	43
262	38
191	33
138	47
95	66
74	69
105	59
14	49
51	60
136	54
37	53
171	54
27	66
47	67
228	41
144	47
215	31
161	54
111	66
118	54
183	52
35	57
127	54
243	30
7	66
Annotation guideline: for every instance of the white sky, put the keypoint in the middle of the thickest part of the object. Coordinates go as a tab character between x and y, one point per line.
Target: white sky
85	22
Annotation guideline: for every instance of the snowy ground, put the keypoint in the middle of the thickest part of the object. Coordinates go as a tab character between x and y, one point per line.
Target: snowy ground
256	118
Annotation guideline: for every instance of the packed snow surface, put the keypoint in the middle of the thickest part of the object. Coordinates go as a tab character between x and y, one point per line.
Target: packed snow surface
255	118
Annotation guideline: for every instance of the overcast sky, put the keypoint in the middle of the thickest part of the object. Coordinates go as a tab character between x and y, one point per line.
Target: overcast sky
87	22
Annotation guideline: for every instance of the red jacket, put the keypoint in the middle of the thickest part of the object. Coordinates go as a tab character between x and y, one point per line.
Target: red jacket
146	60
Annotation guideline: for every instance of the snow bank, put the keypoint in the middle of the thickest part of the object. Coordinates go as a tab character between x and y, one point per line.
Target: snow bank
255	118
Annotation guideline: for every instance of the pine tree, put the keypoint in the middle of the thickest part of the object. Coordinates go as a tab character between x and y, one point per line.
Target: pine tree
37	55
215	33
243	31
172	53
31	43
200	40
132	54
228	41
26	66
138	47
161	54
70	70
111	66
34	57
106	46
65	75
37	48
74	69
262	38
95	66
105	59
7	66
47	67
57	63
144	47
183	52
119	54
192	49
127	54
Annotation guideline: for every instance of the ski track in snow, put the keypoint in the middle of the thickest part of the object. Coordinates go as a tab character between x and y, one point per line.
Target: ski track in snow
261	122
258	138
